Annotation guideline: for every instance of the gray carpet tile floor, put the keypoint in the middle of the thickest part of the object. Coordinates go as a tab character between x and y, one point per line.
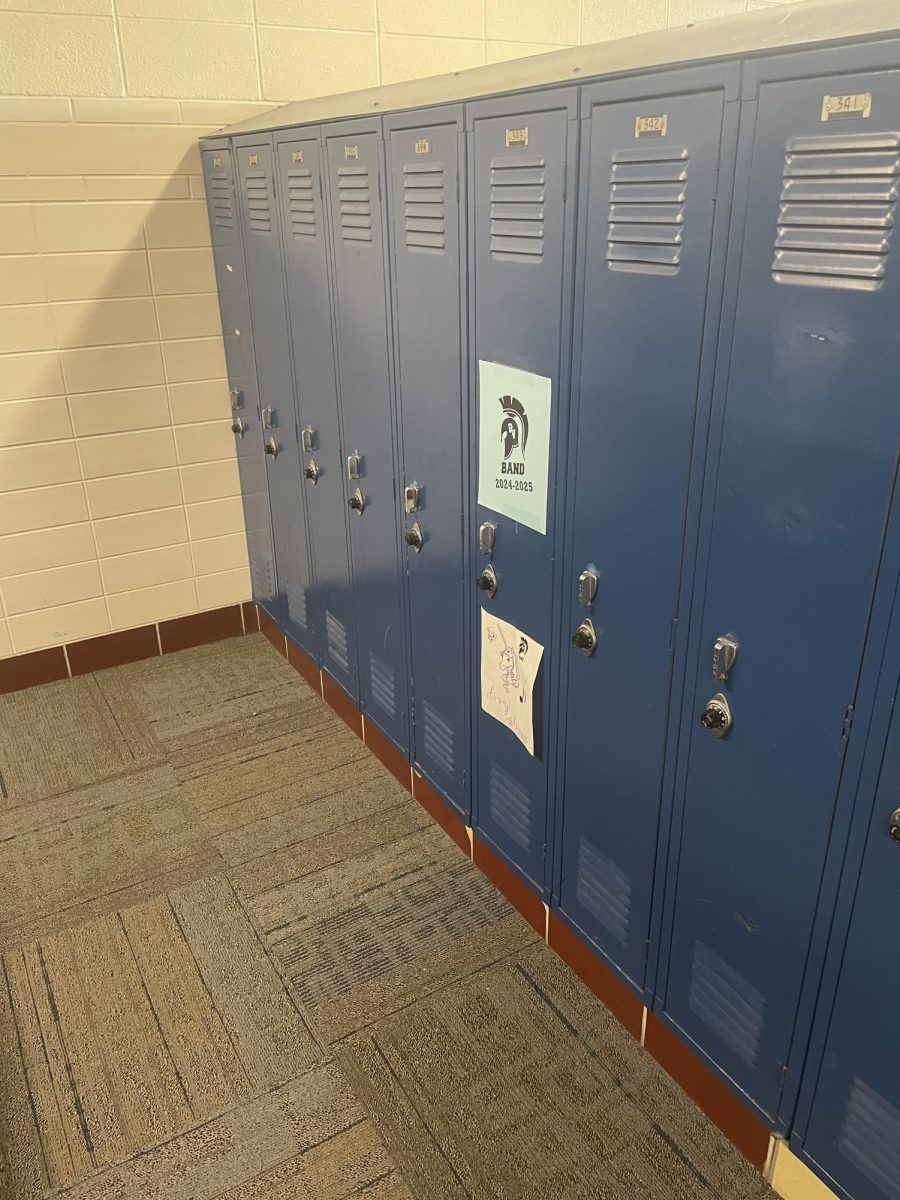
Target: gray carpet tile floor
239	962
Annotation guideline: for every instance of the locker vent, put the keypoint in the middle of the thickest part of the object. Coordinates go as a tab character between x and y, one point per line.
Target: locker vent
604	890
355	198
870	1137
517	208
220	196
336	637
438	738
296	598
258	208
837	210
423	206
730	1006
301	202
510	806
261	575
384	692
646	209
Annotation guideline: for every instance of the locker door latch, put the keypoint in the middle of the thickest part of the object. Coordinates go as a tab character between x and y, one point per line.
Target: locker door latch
272	447
413	537
357	503
588	581
235	397
266	414
238	427
585	638
724	654
487	582
486	533
411	498
308	437
894	828
311	472
353	465
716	715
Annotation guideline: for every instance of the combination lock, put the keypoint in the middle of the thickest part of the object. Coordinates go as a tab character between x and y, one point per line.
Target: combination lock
413	537
894	828
585	638
238	427
357	503
487	582
311	471
716	715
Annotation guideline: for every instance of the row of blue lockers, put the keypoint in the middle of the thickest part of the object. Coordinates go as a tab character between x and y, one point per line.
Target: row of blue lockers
567	427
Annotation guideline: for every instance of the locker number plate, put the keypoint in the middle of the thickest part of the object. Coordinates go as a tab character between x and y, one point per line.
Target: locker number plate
651	126
517	137
351	152
858	105
297	156
423	146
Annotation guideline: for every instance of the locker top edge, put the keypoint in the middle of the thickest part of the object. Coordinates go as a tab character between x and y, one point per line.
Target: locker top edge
810	23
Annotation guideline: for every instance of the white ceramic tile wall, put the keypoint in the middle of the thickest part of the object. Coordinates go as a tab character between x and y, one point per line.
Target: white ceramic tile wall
118	484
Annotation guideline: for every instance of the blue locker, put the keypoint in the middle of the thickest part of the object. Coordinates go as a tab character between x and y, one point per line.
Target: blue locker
653	214
806	426
427	236
262	247
304	226
234	307
354	153
522	154
852	1137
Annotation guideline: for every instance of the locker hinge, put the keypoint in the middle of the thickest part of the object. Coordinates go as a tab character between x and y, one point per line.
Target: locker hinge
848	722
379	187
565	180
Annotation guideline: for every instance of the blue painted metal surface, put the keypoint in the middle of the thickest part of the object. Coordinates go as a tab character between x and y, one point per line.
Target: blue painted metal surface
354	168
234	307
793	531
305	228
520	316
425	158
652	207
262	249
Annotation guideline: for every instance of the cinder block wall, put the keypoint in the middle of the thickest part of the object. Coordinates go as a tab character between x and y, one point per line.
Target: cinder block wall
119	495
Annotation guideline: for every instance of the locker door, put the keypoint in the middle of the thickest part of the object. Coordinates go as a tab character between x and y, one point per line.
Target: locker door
262	243
353	155
425	222
520	154
306	260
231	280
796	514
649	177
854	1130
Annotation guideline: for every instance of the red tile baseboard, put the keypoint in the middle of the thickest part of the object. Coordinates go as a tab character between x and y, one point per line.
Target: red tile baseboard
199	628
505	880
113	649
28	670
387	752
441	812
591	970
342	704
721	1105
304	665
123	646
268	627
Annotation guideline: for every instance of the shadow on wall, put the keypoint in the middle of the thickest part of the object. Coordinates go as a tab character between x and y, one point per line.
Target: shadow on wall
119	492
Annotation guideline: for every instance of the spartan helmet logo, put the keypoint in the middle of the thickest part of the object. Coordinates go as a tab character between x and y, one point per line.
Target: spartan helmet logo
513	427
